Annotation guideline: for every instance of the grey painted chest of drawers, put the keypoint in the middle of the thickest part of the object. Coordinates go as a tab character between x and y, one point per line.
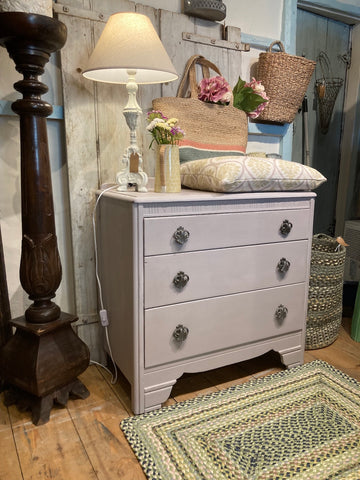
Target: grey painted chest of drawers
198	280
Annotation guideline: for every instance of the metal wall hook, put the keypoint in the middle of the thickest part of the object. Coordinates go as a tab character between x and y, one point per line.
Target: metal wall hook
346	58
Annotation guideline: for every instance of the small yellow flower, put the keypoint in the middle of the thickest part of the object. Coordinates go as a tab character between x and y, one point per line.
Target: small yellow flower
163	126
172	122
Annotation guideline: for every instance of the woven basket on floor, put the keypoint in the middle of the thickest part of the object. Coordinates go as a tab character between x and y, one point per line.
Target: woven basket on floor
285	78
325	292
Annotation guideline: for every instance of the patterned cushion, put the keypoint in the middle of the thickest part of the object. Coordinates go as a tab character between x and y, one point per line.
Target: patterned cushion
190	150
248	174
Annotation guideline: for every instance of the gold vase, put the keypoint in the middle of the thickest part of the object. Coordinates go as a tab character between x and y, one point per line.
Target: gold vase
167	169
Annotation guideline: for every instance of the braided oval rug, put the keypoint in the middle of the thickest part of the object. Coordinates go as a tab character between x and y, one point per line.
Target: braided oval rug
302	423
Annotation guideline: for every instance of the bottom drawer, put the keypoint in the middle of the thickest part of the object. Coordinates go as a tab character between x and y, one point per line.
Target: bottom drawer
222	322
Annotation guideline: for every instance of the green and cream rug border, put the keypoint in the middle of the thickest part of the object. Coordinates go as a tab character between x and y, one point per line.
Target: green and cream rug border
207	437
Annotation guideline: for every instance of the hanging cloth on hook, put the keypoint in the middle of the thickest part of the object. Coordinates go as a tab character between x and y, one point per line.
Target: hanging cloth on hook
327	89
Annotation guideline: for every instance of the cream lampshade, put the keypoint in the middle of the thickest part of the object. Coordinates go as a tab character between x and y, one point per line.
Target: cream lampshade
130	52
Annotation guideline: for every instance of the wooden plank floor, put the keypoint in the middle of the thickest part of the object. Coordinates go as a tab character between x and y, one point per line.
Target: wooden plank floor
84	442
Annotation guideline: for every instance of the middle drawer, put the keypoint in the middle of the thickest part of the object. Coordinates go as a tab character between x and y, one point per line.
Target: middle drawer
189	276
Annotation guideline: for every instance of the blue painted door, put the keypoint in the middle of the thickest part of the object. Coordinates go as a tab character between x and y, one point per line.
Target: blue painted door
317	34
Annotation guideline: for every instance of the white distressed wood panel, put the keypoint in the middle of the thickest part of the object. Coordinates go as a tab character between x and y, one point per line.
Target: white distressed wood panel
216	55
83	171
112	133
94	142
93	335
112	6
145	96
235	58
171	27
81	156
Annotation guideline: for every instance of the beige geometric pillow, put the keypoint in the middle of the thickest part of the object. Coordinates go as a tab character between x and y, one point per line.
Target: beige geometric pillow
249	174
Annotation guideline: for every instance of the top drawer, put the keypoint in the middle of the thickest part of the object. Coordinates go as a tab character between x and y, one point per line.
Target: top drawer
223	230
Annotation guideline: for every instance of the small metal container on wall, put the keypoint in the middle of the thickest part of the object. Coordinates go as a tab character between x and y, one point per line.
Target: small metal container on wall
207	9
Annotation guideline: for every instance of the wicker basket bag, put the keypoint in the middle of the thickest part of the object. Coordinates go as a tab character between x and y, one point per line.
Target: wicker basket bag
285	78
325	292
206	125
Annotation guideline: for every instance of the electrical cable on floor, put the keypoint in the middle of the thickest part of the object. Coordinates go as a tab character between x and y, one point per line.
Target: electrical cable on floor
94	362
103	312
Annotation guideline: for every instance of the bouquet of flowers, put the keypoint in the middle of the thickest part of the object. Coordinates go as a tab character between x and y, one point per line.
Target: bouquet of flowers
164	130
249	97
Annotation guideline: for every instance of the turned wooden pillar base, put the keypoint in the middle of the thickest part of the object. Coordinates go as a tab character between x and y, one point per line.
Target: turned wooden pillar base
41	406
40	364
41	361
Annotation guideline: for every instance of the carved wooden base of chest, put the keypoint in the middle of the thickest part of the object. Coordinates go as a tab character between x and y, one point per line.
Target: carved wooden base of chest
155	387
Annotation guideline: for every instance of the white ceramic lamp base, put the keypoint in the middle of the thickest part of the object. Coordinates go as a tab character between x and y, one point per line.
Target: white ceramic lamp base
132	156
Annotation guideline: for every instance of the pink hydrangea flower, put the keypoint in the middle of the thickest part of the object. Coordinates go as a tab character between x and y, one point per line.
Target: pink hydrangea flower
259	89
215	90
256	86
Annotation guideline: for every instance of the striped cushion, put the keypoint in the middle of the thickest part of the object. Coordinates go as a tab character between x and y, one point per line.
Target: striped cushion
190	150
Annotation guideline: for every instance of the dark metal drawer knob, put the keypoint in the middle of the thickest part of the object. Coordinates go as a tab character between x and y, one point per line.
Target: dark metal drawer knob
286	227
181	235
281	312
180	333
181	279
283	265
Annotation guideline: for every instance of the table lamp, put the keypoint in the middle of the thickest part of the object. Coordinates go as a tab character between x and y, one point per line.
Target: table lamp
129	51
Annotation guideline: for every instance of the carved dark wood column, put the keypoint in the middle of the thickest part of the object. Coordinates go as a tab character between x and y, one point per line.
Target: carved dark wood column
44	356
5	316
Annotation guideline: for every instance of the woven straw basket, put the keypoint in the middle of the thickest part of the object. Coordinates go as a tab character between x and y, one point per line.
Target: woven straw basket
204	123
285	78
325	292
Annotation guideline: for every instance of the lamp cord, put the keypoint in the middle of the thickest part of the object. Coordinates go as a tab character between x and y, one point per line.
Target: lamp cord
103	312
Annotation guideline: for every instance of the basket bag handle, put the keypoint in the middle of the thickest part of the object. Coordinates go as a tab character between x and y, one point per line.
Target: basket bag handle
190	75
280	45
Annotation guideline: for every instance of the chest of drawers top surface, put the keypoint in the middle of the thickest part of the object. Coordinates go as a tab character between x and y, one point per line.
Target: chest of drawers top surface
188	195
193	202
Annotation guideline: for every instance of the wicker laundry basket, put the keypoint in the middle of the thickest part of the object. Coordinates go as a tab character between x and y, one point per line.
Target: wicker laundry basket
285	78
325	292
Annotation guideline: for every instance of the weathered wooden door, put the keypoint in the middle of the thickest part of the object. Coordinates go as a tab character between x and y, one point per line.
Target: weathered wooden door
317	34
